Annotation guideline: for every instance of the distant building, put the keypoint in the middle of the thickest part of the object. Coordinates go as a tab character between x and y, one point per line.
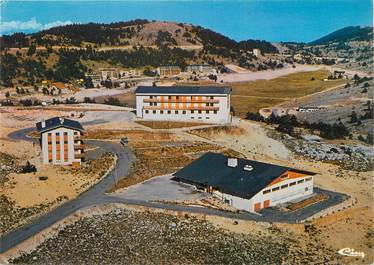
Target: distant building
208	104
61	141
169	70
257	52
199	68
108	73
95	77
310	109
246	184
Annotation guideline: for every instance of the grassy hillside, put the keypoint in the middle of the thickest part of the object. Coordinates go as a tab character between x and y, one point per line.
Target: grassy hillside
346	34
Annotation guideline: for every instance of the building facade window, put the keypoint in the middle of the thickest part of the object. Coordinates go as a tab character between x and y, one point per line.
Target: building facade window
284	186
275	189
146	111
292	184
266	191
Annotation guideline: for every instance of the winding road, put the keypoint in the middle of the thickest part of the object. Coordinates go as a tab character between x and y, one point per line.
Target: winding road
96	195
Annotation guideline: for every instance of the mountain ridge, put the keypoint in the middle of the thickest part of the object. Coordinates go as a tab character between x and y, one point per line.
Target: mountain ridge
350	33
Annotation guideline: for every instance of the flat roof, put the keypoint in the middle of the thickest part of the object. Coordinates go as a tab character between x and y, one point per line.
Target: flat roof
183	90
57	122
211	169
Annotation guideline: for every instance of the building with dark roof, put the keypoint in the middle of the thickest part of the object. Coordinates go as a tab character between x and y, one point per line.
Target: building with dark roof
246	184
61	141
184	103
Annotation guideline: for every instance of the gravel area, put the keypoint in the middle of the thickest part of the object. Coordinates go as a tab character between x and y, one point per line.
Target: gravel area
160	188
126	237
350	157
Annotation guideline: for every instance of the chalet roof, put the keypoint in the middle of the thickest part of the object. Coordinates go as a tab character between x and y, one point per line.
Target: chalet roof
211	169
182	90
57	122
59	85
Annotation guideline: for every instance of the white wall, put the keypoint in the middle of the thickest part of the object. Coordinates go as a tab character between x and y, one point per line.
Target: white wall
70	144
275	197
284	195
222	116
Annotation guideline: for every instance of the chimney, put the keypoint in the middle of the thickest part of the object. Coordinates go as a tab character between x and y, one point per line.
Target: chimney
62	120
248	168
43	124
232	162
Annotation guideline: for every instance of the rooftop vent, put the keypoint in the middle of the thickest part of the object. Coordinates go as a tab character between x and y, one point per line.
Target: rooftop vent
232	162
248	168
62	120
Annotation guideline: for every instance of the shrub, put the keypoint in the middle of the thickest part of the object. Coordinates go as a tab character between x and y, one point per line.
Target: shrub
28	168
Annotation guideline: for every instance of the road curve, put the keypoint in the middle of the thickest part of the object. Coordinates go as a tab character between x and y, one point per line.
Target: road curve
94	195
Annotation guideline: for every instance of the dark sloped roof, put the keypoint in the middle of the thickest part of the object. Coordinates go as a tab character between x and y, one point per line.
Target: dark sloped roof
211	169
183	90
57	122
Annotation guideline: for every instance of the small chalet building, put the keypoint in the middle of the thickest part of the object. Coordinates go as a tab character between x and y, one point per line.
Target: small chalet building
61	141
245	184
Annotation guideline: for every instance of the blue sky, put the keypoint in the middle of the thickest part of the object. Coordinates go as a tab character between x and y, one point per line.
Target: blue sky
272	20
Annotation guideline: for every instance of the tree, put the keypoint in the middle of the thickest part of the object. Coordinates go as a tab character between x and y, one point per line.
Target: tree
353	117
26	102
88	100
113	101
7	94
370	138
88	82
31	50
28	168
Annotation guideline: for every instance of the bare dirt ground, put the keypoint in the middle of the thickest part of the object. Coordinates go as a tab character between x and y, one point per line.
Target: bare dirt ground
24	195
243	76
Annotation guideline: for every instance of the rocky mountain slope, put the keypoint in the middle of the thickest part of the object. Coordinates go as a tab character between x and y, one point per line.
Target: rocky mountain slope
350	47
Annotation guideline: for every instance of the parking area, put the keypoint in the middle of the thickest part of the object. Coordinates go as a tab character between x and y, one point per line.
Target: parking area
160	188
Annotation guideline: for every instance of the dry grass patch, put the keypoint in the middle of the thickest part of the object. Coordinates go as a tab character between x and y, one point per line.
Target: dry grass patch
242	105
210	132
159	160
132	135
168	124
265	93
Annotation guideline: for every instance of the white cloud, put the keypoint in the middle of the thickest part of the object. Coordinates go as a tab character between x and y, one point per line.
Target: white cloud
57	23
31	25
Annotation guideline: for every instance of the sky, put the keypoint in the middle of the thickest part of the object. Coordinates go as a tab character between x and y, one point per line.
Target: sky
271	20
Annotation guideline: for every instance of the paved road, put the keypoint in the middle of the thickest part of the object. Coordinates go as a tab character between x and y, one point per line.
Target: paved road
96	195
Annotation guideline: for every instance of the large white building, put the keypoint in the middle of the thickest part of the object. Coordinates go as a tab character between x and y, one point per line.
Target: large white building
205	104
61	141
246	184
